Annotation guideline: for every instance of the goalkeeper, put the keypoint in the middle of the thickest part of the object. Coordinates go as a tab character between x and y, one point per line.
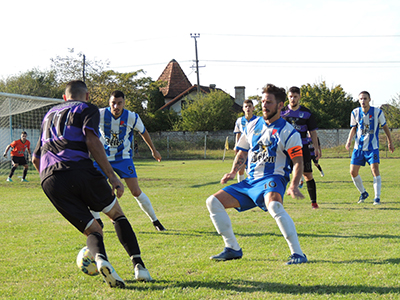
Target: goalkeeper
18	149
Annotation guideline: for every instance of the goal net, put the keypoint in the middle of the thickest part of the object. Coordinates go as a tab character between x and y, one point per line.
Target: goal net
20	113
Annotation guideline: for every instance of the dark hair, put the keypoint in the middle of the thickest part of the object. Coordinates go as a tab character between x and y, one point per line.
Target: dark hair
76	89
294	89
248	101
366	93
23	132
118	94
279	93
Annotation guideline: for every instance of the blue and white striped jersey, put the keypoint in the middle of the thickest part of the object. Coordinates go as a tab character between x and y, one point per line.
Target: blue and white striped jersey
117	134
366	138
270	148
241	124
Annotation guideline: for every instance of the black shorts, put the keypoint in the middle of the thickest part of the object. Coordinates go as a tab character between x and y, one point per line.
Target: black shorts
20	160
74	192
307	159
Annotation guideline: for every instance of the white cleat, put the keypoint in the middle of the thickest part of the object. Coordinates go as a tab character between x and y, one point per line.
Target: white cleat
142	274
109	275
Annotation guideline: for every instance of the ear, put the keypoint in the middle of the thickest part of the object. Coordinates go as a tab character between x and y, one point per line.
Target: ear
65	97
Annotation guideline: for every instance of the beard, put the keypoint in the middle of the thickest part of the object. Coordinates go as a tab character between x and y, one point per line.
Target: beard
269	114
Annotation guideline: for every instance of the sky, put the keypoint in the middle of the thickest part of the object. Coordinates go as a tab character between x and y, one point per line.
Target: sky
352	43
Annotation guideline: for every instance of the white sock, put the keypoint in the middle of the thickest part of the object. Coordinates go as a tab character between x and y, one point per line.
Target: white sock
95	214
358	183
222	222
377	186
240	177
286	226
145	205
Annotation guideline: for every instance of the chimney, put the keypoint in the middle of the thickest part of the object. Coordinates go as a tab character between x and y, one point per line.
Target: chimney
239	95
213	86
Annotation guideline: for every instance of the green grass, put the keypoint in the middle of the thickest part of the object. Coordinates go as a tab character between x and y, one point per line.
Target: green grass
352	248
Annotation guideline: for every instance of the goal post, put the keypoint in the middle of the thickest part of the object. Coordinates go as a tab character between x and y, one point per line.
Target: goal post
20	113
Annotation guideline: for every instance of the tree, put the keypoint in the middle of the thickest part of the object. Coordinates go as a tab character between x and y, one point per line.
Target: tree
33	83
331	106
392	112
209	112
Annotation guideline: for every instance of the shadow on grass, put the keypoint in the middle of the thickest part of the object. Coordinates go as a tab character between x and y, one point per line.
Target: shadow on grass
204	184
246	286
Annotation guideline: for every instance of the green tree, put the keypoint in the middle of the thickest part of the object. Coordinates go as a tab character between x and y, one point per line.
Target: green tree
33	83
209	112
392	112
331	106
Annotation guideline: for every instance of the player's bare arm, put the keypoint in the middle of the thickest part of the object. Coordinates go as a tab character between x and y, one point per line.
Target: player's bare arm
293	189
146	137
239	161
350	138
97	150
389	138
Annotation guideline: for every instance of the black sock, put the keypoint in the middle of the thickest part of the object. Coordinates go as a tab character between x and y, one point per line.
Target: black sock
319	168
96	245
312	190
12	171
128	239
24	174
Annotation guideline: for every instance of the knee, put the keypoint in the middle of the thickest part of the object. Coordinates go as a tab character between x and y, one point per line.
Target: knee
275	208
213	204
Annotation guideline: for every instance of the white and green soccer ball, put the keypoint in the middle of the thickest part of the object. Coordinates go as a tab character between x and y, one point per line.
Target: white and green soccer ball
86	262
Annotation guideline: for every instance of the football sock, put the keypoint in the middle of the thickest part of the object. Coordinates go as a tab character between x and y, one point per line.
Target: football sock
377	186
358	183
145	205
24	173
96	245
222	222
319	168
127	238
312	190
286	226
12	172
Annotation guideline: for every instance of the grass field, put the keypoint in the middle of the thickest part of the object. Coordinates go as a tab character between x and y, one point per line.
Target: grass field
353	249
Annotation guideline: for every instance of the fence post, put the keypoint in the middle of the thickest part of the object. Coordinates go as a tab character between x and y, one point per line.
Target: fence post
167	146
205	144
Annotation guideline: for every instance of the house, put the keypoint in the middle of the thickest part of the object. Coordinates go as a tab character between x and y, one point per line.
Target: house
178	89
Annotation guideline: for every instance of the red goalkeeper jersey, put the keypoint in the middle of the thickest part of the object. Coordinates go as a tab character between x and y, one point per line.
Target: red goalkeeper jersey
19	148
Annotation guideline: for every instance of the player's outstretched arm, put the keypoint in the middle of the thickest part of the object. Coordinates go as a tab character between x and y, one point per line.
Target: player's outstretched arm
293	189
239	161
5	151
146	137
350	138
96	148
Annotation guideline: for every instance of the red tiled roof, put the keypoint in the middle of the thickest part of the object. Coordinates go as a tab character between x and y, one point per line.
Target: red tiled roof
176	80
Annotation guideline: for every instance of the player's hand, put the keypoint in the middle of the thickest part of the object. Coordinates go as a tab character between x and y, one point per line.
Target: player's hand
347	146
227	177
5	154
116	186
294	192
391	147
156	155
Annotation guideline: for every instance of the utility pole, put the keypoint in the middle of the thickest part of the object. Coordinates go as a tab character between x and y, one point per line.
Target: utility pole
83	67
195	36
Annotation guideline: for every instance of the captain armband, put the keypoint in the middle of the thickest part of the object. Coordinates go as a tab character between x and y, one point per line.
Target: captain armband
295	151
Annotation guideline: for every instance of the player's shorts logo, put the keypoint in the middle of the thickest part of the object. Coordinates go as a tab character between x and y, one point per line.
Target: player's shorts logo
272	184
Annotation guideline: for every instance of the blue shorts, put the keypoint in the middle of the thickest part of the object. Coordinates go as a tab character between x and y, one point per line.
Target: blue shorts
124	168
359	157
252	195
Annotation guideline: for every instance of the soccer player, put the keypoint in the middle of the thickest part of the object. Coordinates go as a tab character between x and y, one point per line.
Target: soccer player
240	125
270	143
304	122
364	123
116	128
68	133
18	149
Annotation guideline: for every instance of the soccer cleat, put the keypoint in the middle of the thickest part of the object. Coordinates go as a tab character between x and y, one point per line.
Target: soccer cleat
363	197
158	226
142	274
297	259
314	205
228	254
377	201
9	179
109	275
24	180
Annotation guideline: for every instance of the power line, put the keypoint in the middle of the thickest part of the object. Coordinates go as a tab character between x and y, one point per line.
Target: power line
306	36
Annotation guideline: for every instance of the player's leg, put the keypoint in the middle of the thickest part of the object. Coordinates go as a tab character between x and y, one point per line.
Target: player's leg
13	168
25	173
143	201
128	239
217	205
273	201
308	176
358	160
377	183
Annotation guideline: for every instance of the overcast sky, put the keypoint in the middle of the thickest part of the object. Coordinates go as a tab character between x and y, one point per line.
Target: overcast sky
352	43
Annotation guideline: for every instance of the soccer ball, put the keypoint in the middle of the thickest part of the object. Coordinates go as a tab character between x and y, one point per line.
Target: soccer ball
86	262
